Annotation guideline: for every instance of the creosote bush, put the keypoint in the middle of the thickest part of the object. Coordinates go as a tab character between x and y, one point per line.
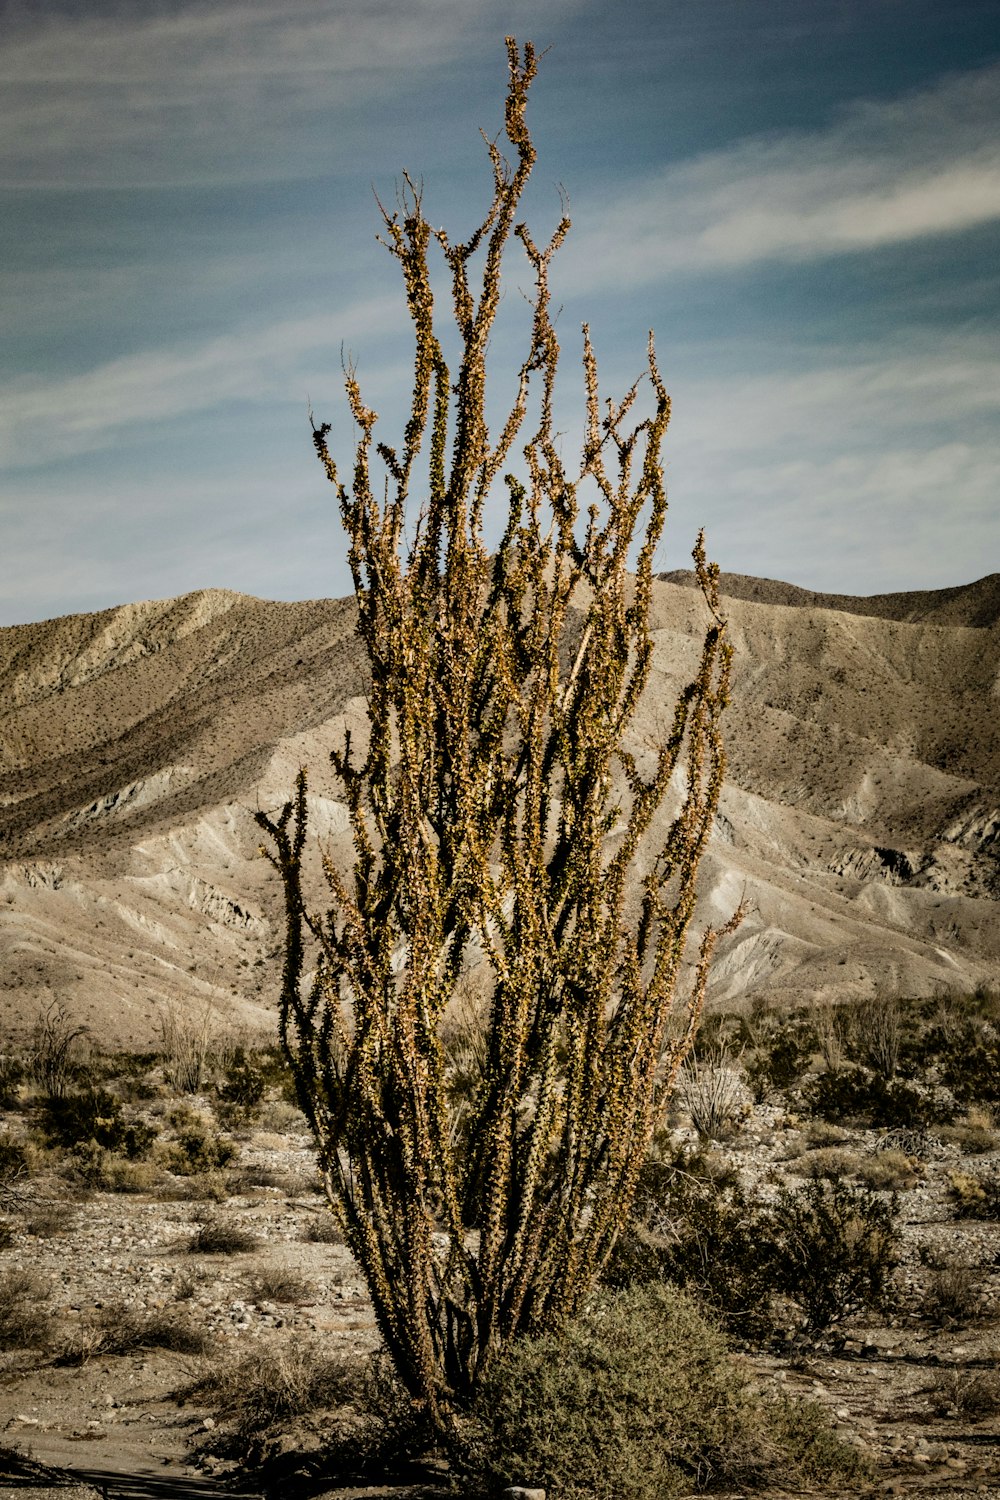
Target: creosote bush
694	1226
829	1248
495	766
92	1116
855	1093
838	1248
639	1400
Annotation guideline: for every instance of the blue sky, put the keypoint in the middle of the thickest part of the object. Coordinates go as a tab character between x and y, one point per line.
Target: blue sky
802	199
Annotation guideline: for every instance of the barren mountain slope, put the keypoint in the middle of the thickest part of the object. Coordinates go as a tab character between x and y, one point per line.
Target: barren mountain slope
861	819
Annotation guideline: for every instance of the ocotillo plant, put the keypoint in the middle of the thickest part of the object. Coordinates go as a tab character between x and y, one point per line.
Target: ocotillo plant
500	824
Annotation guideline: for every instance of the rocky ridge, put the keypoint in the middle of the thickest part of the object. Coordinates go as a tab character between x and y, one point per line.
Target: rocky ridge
860	821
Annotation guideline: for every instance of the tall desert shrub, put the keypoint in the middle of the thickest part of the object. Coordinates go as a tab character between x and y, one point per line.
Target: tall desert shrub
501	822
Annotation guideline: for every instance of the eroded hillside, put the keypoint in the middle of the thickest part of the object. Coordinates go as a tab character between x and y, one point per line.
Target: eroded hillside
861	819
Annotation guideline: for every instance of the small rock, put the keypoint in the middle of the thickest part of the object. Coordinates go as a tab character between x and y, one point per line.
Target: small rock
209	1424
518	1492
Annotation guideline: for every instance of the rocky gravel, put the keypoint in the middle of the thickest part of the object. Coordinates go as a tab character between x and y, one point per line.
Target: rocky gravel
902	1388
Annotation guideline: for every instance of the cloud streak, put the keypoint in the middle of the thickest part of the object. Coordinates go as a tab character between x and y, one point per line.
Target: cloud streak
42	420
881	174
215	91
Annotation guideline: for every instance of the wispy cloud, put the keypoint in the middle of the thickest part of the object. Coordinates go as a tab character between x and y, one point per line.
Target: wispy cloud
874	471
216	90
882	173
46	419
844	398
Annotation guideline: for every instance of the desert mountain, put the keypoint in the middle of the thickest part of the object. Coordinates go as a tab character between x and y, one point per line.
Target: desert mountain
861	820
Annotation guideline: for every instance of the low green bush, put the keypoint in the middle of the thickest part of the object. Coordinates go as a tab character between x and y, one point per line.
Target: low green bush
92	1166
836	1251
197	1148
242	1083
638	1399
92	1114
697	1228
868	1098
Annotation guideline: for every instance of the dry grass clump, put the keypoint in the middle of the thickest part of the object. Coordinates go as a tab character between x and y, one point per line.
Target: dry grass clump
292	1184
25	1322
820	1133
276	1285
831	1162
206	1187
887	1170
974	1135
972	1394
323	1230
118	1330
51	1219
216	1237
271	1385
951	1296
